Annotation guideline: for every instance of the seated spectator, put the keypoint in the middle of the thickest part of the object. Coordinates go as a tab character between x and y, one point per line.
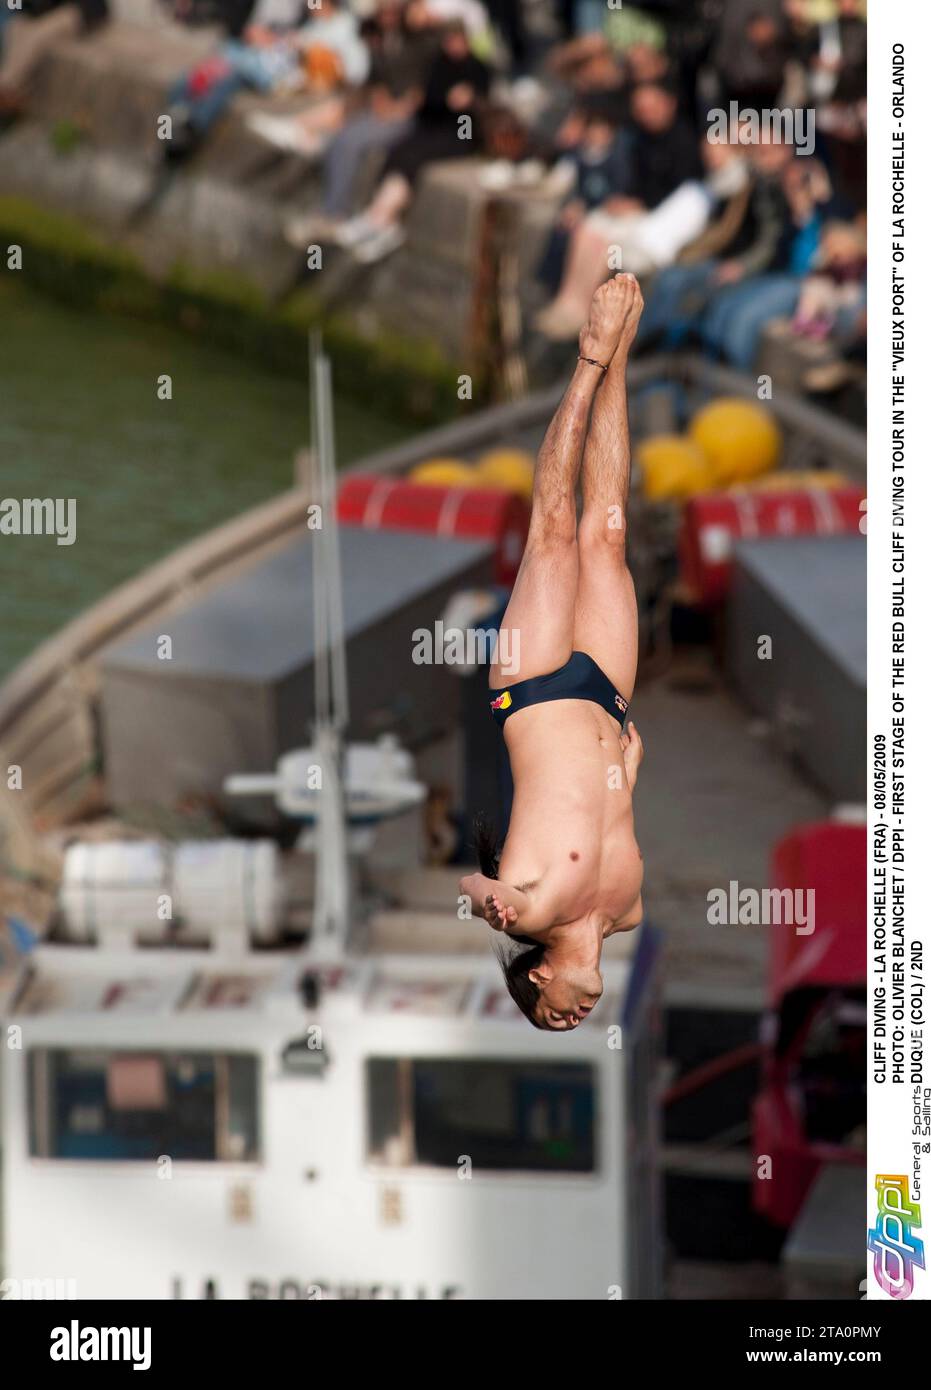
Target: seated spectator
665	147
596	159
653	240
471	14
690	31
455	87
322	54
30	32
622	49
332	49
737	316
662	207
361	124
838	63
679	295
754	44
833	295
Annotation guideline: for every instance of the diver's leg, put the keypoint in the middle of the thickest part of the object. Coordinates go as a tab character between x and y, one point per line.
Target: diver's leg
537	629
606	606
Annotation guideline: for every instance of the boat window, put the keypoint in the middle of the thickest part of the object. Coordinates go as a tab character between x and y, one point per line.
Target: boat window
119	1106
504	1115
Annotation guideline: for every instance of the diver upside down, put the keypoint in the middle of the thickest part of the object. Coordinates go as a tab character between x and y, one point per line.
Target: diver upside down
570	870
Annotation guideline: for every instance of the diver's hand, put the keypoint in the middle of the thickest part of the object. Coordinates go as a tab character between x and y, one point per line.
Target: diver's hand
632	744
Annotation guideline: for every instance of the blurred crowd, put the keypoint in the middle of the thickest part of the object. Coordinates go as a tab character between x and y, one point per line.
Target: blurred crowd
717	148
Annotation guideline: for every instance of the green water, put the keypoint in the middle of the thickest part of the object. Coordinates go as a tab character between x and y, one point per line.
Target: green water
80	417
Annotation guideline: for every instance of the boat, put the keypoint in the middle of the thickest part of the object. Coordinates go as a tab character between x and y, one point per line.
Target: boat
300	1076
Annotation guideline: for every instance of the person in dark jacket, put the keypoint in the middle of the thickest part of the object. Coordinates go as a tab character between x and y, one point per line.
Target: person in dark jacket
754	44
665	150
838	61
679	295
664	161
728	301
599	155
446	127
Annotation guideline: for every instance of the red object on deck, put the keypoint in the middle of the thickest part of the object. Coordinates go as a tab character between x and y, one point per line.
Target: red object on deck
805	970
713	521
829	858
466	513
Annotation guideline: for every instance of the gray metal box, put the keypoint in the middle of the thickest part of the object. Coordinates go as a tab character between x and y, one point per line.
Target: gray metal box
238	690
808	594
824	1256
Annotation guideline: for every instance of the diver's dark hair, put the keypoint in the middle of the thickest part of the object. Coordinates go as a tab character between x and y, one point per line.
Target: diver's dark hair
516	964
487	849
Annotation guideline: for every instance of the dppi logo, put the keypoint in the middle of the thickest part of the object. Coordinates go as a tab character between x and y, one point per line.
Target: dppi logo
897	1251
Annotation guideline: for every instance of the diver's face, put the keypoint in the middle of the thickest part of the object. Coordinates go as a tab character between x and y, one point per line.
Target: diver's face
566	1000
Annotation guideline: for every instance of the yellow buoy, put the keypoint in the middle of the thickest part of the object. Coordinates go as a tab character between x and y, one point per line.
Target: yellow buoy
740	438
508	469
788	479
673	467
444	473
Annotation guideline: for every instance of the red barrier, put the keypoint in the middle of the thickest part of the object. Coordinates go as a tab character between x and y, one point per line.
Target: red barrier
713	521
807	969
466	513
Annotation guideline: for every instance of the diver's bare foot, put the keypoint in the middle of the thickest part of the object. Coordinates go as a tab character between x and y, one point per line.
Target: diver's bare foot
630	307
497	915
612	319
601	331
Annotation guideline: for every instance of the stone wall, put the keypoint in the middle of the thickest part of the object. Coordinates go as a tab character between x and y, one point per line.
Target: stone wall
88	147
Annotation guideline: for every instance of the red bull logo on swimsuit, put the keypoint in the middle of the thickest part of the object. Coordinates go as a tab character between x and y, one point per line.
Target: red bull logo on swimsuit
503	701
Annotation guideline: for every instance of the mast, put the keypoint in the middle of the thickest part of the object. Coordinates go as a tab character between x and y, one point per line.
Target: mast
330	786
331	700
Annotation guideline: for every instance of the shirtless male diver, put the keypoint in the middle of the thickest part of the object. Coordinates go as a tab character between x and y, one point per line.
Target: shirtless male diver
570	871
